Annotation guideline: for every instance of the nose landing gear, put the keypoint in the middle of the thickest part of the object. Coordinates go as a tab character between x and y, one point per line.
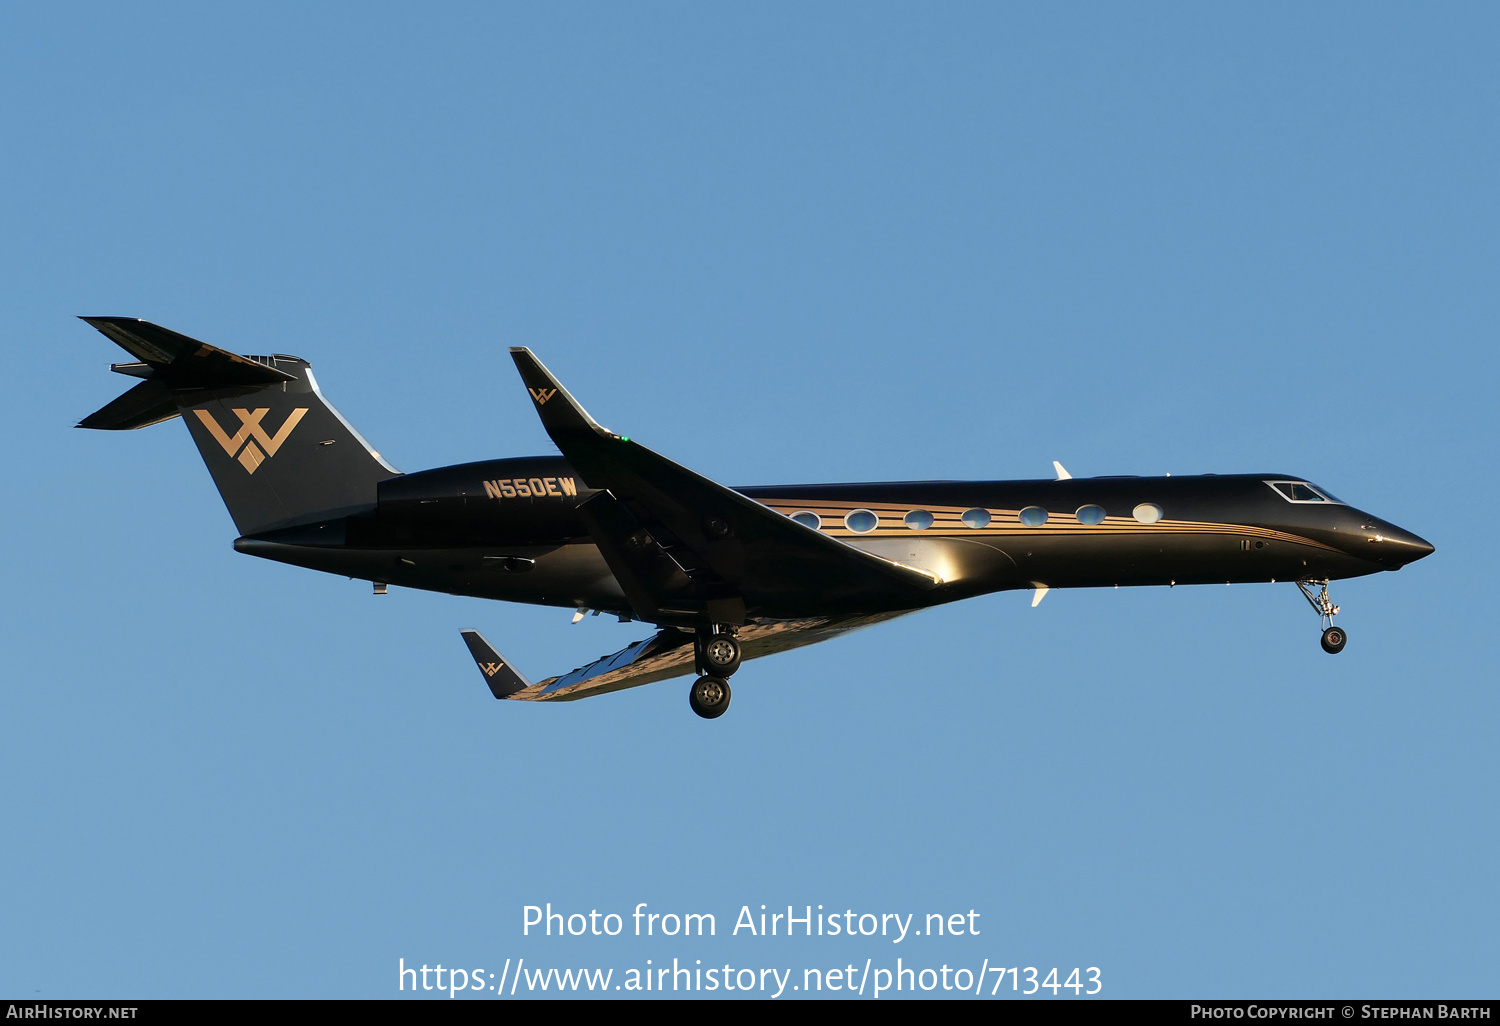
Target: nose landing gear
1334	638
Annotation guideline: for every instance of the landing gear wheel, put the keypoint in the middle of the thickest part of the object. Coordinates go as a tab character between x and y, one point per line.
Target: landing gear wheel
1334	639
709	697
1316	593
721	655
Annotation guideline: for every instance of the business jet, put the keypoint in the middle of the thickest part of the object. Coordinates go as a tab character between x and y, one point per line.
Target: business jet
723	574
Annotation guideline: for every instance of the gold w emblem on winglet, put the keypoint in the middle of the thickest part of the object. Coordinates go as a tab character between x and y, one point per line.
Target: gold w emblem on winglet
490	669
250	432
541	395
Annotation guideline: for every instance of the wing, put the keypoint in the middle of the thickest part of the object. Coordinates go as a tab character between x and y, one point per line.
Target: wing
666	654
688	550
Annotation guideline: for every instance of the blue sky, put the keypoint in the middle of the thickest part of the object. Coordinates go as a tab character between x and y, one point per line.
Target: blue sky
779	244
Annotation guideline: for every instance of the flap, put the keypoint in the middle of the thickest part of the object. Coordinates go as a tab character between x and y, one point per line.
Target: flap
669	653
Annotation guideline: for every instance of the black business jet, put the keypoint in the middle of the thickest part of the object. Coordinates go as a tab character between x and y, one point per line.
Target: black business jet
724	574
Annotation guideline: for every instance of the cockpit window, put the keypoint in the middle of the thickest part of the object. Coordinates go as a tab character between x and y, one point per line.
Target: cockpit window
1301	491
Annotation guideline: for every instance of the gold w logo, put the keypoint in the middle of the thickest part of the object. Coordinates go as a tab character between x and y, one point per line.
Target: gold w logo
541	395
250	432
490	669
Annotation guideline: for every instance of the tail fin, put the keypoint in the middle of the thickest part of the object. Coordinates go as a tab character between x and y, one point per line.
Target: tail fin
279	453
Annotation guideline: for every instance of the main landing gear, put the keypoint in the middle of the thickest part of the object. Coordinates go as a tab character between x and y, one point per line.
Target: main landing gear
1334	638
718	656
709	697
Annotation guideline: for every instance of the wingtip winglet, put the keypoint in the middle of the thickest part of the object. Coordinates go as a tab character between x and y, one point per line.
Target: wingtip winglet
559	411
503	679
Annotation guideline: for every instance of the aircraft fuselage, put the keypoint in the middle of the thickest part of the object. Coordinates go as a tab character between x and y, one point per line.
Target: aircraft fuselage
509	529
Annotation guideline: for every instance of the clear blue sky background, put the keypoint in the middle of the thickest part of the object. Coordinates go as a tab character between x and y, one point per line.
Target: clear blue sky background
778	243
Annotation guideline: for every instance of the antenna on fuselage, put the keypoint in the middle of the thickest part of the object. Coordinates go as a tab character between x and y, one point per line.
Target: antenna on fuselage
1062	472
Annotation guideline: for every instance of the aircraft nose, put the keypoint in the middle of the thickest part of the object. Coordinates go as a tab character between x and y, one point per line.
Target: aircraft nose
1396	547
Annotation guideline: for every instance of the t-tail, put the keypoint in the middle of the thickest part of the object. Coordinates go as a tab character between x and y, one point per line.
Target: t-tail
279	453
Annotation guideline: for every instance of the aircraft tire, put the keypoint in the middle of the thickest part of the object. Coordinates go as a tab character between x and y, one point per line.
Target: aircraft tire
709	697
721	655
1334	639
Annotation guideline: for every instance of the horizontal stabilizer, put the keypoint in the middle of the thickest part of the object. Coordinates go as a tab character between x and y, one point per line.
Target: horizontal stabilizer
502	678
169	363
180	361
148	403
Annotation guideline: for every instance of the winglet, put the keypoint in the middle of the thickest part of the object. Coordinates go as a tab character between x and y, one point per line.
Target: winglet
559	411
503	679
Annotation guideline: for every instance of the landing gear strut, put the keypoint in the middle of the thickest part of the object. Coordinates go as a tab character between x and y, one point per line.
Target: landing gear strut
1334	638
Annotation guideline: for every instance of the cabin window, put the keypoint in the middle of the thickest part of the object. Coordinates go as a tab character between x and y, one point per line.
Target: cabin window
861	521
976	518
1300	491
807	519
1147	513
1090	515
1033	516
918	520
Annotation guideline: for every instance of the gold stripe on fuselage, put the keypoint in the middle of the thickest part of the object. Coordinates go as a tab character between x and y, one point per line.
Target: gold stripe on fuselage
947	522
